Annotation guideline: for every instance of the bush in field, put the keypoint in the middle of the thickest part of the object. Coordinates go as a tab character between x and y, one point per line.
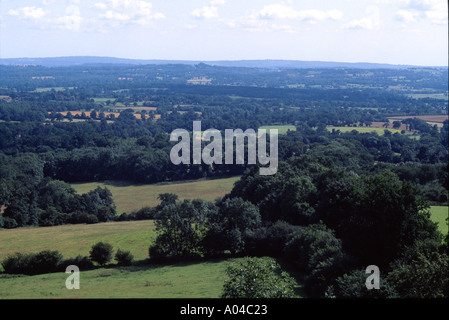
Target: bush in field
82	262
258	278
180	228
124	258
101	253
33	263
16	264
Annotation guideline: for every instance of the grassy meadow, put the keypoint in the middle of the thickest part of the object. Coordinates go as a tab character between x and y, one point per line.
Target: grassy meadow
380	131
439	214
129	197
72	240
196	279
179	280
282	129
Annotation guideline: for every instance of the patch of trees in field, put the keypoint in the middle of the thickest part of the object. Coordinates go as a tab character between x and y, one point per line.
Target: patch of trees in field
329	224
29	198
49	261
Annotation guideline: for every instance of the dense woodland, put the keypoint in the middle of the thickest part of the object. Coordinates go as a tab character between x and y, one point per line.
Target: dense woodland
339	201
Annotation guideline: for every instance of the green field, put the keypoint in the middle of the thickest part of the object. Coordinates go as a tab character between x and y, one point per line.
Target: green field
439	214
441	96
129	197
180	280
380	131
103	100
72	240
282	129
200	279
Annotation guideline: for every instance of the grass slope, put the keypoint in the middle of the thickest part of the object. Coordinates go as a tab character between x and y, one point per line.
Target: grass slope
72	240
282	129
439	214
180	280
380	131
129	197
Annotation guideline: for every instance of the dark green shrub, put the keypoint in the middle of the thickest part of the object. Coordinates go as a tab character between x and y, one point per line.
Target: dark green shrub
124	258
16	263
33	263
45	262
82	217
82	262
9	223
101	253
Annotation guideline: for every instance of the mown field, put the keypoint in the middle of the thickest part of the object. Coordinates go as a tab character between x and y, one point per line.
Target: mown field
129	197
282	129
197	279
201	279
72	240
180	280
380	131
439	214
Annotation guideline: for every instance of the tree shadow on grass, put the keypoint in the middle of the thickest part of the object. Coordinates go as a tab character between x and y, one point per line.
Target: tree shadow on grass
149	264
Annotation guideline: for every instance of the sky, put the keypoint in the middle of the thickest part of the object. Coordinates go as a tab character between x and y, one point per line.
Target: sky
407	32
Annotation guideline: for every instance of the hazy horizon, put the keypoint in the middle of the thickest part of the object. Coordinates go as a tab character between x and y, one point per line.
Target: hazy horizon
399	32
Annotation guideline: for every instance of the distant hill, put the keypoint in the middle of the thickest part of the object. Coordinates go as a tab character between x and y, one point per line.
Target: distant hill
265	64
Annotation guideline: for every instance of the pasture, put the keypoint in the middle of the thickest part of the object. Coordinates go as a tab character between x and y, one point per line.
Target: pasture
180	280
194	279
379	131
129	197
77	239
439	214
282	129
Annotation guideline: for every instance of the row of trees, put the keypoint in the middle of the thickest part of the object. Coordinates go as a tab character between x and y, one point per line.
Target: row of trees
49	261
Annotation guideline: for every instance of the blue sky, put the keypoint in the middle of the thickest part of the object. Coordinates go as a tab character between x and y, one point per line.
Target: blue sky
385	31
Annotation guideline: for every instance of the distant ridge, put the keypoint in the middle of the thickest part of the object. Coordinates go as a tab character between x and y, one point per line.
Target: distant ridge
266	64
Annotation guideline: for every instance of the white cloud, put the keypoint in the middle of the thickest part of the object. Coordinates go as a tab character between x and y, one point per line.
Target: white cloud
128	11
370	22
100	5
364	23
282	11
71	20
206	12
434	11
114	15
28	12
406	16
